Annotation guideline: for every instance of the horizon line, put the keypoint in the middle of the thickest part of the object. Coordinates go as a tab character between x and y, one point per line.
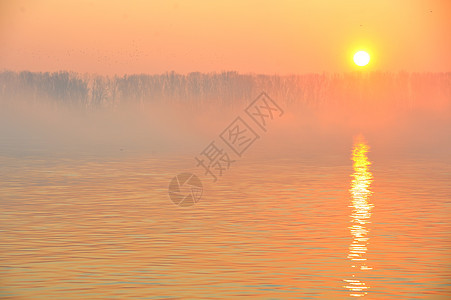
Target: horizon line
228	71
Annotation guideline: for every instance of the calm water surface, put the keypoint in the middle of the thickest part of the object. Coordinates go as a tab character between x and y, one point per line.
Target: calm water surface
332	228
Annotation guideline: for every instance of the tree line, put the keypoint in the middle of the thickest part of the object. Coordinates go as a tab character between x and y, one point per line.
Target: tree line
226	88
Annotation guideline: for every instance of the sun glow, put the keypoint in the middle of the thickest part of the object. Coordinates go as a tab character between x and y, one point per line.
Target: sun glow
361	58
361	213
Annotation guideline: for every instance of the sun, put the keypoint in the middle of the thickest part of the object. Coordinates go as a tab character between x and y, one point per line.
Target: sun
361	58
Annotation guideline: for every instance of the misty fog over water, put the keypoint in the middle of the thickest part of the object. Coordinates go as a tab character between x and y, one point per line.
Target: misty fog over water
401	113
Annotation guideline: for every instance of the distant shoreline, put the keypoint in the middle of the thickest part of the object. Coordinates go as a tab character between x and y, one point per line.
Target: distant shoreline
96	91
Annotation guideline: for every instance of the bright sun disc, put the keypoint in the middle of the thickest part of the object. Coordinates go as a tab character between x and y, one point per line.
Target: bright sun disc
361	58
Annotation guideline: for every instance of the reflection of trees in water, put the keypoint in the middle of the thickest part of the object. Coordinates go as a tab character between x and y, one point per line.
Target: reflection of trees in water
91	91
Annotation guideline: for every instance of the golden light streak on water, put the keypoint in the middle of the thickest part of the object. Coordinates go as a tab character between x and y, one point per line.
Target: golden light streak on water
360	216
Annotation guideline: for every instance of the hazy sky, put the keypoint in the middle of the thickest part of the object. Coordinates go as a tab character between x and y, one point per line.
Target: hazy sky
284	37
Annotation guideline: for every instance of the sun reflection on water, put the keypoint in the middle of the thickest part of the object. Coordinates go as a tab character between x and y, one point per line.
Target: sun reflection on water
360	216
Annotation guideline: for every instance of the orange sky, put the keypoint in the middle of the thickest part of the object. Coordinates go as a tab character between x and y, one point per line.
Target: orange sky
284	37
